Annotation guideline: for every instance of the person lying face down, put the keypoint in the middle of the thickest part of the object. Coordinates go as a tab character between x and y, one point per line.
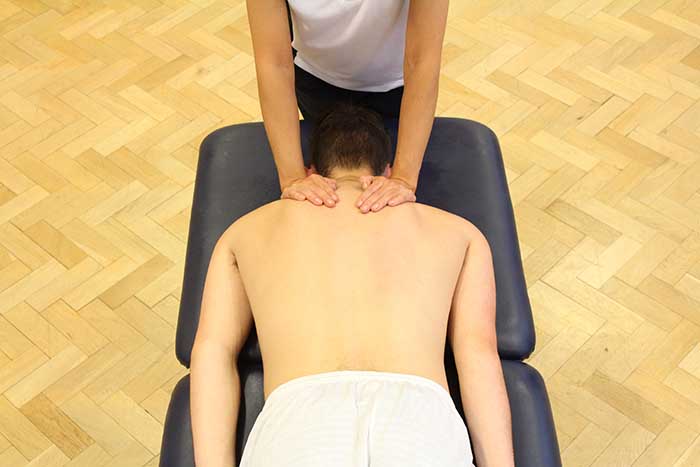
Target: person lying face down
352	312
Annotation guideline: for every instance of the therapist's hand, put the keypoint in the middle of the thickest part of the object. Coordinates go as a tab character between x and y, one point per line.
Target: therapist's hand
381	191
315	188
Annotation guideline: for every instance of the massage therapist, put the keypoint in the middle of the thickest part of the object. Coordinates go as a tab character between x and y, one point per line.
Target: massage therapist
361	51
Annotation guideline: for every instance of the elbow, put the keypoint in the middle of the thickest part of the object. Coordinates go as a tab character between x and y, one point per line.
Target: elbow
489	342
210	352
276	66
486	349
477	350
425	67
196	357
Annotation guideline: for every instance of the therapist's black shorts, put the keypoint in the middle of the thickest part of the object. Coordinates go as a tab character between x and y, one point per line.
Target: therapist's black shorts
315	96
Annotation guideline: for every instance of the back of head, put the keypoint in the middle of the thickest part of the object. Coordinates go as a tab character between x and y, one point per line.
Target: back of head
350	136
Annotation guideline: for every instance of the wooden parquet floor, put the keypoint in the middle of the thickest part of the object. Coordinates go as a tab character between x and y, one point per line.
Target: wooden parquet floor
103	105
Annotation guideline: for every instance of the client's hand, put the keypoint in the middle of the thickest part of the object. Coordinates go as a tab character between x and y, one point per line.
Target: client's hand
381	191
315	188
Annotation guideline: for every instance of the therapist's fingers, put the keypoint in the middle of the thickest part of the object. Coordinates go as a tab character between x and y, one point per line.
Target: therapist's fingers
379	198
331	182
391	192
293	194
318	195
374	185
325	187
385	197
365	180
312	170
308	189
318	191
402	198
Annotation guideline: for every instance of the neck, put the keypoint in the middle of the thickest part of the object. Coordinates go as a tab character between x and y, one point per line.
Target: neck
348	179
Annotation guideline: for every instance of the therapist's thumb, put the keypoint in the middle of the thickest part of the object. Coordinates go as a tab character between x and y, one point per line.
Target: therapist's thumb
366	180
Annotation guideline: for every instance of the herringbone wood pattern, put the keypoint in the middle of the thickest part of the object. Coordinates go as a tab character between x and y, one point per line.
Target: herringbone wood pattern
103	105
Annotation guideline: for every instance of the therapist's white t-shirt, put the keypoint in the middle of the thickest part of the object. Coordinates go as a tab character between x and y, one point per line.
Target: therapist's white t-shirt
352	44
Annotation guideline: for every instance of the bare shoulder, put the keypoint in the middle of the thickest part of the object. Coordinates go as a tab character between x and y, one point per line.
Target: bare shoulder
248	223
450	220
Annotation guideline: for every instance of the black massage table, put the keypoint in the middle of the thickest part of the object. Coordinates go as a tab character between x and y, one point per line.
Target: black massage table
462	173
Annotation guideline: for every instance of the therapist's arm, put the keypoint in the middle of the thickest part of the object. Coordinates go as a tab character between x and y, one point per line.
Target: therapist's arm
425	32
274	67
224	324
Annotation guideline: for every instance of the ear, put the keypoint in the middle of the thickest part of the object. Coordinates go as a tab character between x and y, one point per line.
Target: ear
387	171
311	170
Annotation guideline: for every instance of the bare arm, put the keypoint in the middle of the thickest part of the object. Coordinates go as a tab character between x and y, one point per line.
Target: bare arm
224	324
274	66
425	31
472	336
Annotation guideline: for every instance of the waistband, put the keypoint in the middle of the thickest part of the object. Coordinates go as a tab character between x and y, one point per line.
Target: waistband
356	376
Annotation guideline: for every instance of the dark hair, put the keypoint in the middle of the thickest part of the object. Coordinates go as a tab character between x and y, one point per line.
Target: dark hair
350	136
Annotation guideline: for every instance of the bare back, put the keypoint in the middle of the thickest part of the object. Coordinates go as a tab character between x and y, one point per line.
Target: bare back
335	289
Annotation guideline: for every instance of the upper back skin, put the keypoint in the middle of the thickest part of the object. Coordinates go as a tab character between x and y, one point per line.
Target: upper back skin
332	288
